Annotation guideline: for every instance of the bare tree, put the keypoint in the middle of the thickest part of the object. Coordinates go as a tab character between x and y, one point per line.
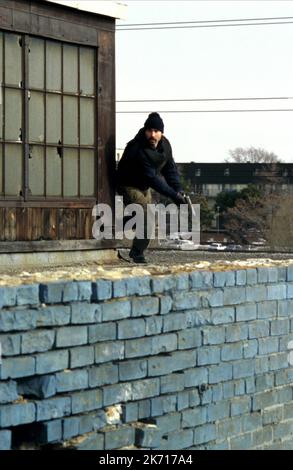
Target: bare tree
252	155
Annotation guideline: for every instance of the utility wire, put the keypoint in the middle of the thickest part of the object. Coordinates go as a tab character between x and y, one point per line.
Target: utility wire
203	26
210	111
205	99
206	21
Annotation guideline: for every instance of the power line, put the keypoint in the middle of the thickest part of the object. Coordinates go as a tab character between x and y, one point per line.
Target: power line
206	21
205	99
209	111
203	26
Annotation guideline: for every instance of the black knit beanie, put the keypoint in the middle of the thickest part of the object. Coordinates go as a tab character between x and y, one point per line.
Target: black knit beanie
154	121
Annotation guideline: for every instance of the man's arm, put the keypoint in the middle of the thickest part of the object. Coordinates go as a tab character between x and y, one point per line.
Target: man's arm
170	173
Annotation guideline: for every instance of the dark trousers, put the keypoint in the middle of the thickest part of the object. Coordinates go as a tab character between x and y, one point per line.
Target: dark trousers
133	195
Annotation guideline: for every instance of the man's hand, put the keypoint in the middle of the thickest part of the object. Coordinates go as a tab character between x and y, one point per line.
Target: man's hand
180	199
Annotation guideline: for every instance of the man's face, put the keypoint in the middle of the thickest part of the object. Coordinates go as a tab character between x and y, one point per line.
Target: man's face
153	137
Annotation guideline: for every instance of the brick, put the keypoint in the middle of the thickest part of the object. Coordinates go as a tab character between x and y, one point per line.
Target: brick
51	361
101	290
132	370
251	422
164	343
130	412
15	320
189	338
228	390
230	278
82	356
37	341
205	394
83	312
231	352
244	368
27	294
277	292
213	335
282	273
39	387
186	300
94	442
119	288
84	290
197	317
148	437
251	276
262	275
134	328
290	273
261	365
103	332
172	383
285	308
264	399
267	310
229	427
110	351
8	391
262	436
208	355
138	285
274	414
220	373
161	365
183	359
218	411
283	377
163	283
71	380
250	349
235	333
163	405
57	292
115	310
245	312
194	398
259	329
10	345
219	279
280	327
176	322
273	275
278	361
71	336
177	440
239	387
49	432
7	296
183	400
5	440
256	293
182	281
234	295
166	303
144	409
240	406
145	306
240	277
103	375
195	377
213	298
86	400
16	414
217	393
194	417
53	408
114	394
53	315
153	325
201	279
241	442
146	388
205	433
140	347
124	436
223	315
16	367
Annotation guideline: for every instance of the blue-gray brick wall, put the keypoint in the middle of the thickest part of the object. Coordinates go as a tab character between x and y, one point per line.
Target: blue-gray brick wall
195	360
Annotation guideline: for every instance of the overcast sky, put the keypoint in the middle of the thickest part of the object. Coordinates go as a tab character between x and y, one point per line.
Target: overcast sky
213	62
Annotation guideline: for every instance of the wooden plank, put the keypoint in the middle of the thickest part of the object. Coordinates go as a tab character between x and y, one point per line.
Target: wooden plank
10	224
50	223
76	204
2	224
56	245
84	223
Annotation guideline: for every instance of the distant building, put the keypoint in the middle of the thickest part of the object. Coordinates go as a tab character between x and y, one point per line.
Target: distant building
209	179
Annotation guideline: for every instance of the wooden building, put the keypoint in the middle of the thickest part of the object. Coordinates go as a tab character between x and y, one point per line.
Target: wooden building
57	122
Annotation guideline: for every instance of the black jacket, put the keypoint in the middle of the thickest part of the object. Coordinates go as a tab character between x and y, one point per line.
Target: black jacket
140	166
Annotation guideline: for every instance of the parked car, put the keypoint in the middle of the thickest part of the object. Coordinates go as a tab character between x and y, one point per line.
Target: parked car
232	247
217	247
